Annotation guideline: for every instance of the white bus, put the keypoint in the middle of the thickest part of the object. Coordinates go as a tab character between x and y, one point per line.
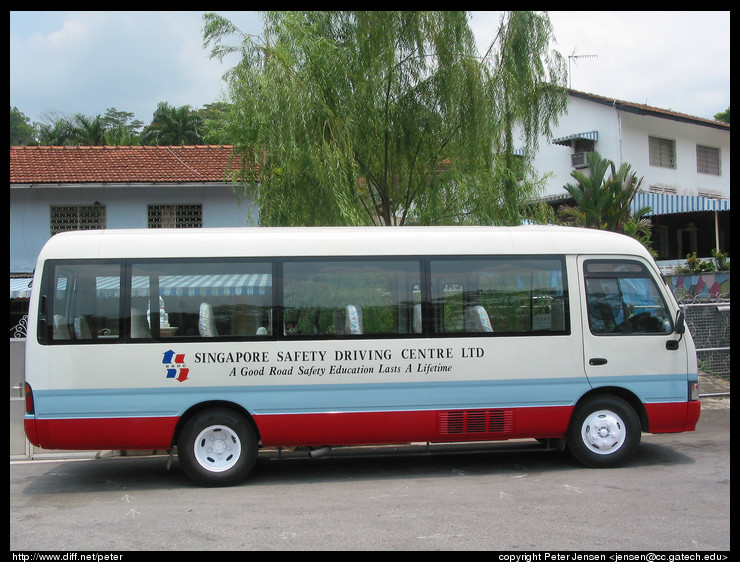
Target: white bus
216	342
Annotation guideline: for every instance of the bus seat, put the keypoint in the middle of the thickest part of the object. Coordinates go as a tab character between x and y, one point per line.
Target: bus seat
61	330
206	321
262	331
82	328
353	320
417	319
139	326
239	321
476	320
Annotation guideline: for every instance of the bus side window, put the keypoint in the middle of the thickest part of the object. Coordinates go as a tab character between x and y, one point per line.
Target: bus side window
500	295
206	321
476	320
61	328
86	301
351	297
139	326
603	305
622	298
353	320
202	298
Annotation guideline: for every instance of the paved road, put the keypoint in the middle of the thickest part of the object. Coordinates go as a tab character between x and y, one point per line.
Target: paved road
674	495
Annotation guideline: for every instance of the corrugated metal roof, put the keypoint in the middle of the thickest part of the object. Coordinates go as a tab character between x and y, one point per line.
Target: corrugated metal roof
669	204
565	141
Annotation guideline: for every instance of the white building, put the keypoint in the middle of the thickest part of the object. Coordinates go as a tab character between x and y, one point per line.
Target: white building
684	162
59	188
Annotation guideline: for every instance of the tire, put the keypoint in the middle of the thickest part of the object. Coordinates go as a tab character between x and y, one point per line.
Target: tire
604	432
217	447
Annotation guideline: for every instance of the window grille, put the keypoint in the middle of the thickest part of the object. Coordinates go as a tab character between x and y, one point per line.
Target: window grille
175	216
77	217
707	160
662	152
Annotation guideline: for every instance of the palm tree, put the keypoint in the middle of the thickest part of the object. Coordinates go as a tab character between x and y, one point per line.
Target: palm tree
89	131
173	126
77	130
603	202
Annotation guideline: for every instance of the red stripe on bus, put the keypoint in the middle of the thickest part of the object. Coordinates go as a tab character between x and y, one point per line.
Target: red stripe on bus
345	428
358	428
102	433
673	417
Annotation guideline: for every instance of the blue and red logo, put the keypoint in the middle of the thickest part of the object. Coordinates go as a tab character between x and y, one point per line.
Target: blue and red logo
175	365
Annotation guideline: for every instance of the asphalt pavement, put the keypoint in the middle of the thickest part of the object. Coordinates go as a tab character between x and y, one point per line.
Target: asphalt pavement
674	496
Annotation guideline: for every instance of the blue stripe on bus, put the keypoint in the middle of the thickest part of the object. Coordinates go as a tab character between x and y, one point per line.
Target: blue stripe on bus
315	398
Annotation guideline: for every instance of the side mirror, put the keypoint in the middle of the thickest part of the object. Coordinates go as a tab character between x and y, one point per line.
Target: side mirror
680	327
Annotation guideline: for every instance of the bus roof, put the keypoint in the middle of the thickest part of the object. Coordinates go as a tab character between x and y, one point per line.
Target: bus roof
336	241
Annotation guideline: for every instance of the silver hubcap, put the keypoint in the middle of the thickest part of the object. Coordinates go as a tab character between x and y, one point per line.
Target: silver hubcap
603	432
217	448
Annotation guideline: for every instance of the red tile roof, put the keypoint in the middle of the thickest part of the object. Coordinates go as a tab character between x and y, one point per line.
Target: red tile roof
119	164
643	109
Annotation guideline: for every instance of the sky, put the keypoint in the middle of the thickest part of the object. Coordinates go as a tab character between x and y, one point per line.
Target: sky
63	63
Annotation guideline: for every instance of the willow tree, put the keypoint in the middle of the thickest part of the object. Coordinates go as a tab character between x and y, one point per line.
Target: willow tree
388	118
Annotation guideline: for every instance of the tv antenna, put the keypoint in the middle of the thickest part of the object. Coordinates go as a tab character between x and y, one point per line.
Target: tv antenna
572	60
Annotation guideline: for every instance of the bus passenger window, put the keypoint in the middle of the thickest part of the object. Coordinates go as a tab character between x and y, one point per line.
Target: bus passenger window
476	320
86	301
214	299
206	321
139	324
499	295
339	297
352	320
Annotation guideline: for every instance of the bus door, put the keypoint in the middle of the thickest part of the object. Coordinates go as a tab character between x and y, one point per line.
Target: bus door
629	338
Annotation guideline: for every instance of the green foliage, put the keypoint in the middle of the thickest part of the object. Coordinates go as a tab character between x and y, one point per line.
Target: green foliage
723	116
21	130
540	213
640	228
76	130
215	121
387	117
173	126
114	128
697	265
602	202
170	126
720	259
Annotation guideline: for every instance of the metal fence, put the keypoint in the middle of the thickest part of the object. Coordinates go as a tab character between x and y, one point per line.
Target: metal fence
709	324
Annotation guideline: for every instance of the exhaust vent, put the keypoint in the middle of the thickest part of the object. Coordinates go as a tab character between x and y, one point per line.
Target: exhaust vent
460	422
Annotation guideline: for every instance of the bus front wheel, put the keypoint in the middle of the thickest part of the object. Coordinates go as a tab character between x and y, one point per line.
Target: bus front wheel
604	432
217	447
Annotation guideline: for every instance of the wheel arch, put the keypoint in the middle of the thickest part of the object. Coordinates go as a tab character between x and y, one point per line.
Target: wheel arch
207	405
626	395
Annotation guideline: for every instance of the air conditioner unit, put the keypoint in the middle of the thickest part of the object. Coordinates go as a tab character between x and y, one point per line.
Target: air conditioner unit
579	160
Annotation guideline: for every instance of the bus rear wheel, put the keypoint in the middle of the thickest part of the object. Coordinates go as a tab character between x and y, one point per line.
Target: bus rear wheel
604	432
217	447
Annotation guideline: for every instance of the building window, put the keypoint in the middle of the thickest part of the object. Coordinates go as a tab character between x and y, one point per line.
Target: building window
707	160
77	217
175	216
662	152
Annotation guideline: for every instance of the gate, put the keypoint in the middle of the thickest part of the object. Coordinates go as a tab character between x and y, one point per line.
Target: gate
709	324
17	399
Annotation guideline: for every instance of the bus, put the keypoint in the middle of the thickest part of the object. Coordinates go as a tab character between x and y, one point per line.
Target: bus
215	343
